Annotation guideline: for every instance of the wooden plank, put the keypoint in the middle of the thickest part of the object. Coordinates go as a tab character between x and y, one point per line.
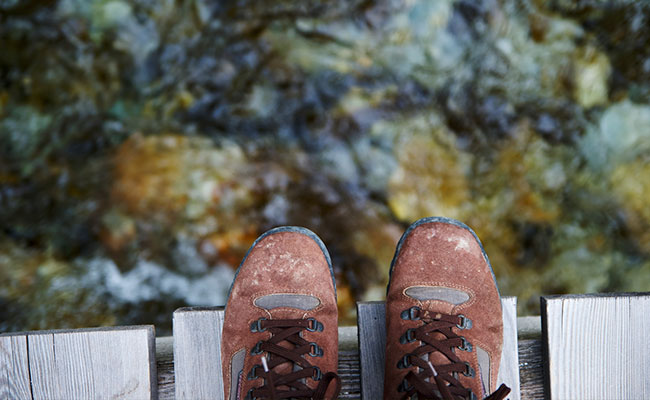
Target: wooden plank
43	363
197	354
71	353
531	371
371	318
598	346
639	355
90	363
165	367
14	365
509	367
5	366
372	343
530	363
348	371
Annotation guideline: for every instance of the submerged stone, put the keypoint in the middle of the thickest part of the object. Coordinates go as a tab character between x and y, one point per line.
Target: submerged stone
631	186
620	136
591	70
173	175
430	175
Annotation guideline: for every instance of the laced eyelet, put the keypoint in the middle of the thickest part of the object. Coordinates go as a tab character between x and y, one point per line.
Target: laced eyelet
257	349
317	374
252	375
404	362
315	350
465	323
412	313
408	336
471	396
466	346
257	325
469	370
249	395
404	386
314	325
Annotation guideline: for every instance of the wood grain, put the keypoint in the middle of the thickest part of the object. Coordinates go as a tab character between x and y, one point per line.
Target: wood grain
40	362
43	365
116	363
5	366
348	370
372	343
509	366
598	346
197	354
371	317
14	366
165	367
531	371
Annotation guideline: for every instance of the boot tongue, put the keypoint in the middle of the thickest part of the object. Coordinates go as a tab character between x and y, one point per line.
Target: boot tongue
433	307
437	358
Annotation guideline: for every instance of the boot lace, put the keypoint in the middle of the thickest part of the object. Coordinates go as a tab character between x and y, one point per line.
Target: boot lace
290	384
438	381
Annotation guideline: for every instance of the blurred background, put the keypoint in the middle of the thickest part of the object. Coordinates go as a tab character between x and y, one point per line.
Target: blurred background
145	144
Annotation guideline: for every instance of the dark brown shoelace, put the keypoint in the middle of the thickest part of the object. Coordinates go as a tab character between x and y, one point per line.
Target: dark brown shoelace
292	384
438	381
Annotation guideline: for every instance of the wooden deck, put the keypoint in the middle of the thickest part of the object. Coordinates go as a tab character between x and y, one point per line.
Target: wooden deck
529	351
583	346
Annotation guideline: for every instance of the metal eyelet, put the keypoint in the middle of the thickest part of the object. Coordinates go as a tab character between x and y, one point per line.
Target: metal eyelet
404	386
249	395
315	350
253	373
408	336
317	375
466	346
404	362
257	325
412	313
257	349
465	323
469	371
314	325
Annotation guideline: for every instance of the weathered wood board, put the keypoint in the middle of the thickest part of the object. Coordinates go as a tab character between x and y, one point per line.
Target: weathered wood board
197	354
372	342
371	323
598	346
95	363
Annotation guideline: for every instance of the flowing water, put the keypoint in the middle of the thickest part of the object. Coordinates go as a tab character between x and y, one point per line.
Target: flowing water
145	144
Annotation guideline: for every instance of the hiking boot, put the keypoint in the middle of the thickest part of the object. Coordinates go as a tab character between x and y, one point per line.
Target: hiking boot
280	332
444	329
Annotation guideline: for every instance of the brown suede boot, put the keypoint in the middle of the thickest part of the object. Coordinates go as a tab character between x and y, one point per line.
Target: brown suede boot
444	328
280	334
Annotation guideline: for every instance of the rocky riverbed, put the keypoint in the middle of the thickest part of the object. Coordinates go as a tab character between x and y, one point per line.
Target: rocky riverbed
145	144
